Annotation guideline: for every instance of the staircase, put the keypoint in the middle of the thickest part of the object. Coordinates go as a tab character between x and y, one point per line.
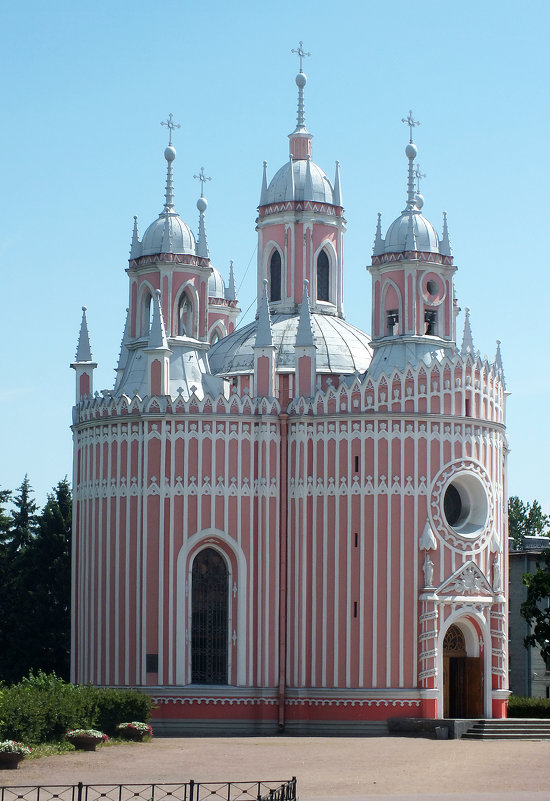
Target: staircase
509	729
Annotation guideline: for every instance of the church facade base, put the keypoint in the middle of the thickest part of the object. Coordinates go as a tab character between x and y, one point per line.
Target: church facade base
244	711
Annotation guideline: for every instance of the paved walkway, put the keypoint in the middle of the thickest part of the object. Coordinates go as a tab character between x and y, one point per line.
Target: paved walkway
339	769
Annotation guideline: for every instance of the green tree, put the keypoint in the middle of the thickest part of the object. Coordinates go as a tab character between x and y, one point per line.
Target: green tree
526	520
536	608
35	623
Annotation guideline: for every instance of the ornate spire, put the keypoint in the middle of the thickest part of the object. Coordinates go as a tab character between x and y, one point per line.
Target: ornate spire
169	155
83	349
263	193
308	185
445	244
498	363
289	194
337	193
231	291
264	334
304	332
467	339
202	205
411	151
157	334
135	246
123	355
378	248
301	80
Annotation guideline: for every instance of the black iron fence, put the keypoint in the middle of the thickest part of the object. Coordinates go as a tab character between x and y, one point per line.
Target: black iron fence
187	791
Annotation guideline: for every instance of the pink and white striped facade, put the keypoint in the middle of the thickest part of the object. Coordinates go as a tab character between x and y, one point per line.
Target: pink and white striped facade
325	490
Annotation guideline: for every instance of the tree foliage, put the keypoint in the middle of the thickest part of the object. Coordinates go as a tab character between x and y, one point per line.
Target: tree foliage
35	581
535	609
526	520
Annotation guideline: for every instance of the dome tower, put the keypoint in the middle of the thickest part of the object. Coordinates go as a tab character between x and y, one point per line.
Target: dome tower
301	226
413	310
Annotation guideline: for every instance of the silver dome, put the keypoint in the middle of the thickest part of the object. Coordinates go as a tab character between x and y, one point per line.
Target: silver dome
341	348
216	286
279	186
425	234
179	239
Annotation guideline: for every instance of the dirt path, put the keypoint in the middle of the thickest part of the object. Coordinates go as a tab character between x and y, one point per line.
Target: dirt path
335	768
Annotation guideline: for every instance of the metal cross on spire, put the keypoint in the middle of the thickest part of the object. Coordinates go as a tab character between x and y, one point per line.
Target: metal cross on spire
202	178
301	53
170	124
418	175
411	123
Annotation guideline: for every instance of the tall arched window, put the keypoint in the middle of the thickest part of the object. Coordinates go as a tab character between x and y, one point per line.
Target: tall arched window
323	276
209	618
185	316
275	276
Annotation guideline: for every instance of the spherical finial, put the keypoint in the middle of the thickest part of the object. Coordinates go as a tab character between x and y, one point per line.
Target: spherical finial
265	282
411	150
84	308
306	282
157	293
202	204
170	153
419	201
301	80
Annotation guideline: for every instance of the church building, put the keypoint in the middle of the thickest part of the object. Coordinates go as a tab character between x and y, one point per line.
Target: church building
292	525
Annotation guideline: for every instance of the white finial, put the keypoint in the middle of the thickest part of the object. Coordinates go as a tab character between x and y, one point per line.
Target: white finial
157	334
337	193
263	193
135	246
304	331
467	338
379	244
83	349
445	245
498	362
264	334
231	291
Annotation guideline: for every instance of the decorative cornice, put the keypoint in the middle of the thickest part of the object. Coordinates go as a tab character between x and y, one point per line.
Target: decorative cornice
301	205
412	255
170	258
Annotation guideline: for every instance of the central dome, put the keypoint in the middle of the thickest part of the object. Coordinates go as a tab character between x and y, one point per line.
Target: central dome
280	186
341	348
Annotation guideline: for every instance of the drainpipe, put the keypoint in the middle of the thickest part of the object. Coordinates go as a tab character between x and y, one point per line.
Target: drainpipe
283	512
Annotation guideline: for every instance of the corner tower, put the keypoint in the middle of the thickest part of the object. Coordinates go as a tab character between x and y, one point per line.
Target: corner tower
412	284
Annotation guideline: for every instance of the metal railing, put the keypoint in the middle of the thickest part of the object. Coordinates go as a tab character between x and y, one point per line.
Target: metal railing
187	791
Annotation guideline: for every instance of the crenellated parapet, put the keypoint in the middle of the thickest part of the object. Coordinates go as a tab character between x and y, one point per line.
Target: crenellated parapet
107	405
462	386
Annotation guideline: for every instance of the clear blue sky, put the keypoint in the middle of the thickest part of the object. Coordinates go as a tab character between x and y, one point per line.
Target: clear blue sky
84	87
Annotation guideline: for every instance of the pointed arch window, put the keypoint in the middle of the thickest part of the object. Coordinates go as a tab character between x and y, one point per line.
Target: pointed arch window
185	316
215	337
323	276
209	618
275	276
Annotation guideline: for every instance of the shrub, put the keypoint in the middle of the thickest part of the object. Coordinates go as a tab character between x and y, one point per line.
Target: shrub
42	707
115	706
519	707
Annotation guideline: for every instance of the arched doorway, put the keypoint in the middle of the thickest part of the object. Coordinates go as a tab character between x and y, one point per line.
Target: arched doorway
209	618
462	678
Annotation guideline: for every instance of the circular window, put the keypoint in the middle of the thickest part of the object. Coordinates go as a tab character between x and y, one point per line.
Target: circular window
432	287
465	504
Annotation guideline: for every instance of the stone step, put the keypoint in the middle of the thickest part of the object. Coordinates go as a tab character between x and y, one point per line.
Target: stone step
509	729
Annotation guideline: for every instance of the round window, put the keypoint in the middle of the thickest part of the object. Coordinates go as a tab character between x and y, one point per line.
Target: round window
465	504
432	287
